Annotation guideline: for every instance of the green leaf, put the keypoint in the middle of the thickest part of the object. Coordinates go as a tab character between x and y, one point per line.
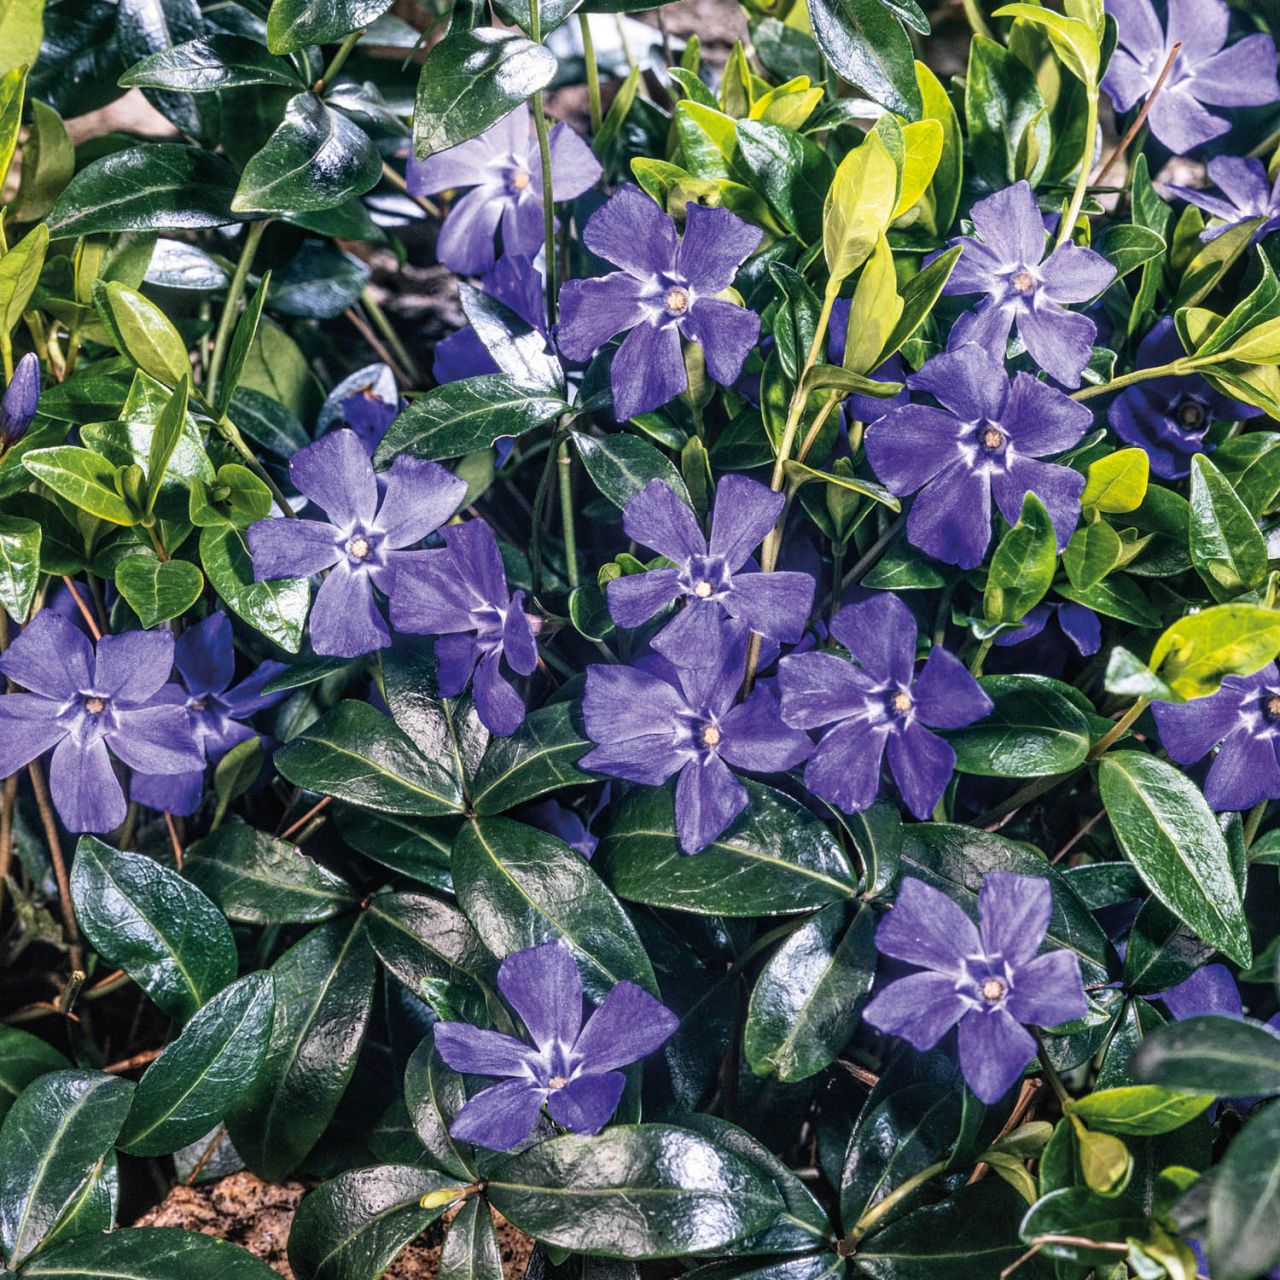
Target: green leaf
324	997
1139	1110
48	161
165	437
790	171
859	205
188	1089
520	887
1117	483
354	753
54	1137
23	1058
19	565
1077	1213
518	349
1022	565
147	920
1211	1054
86	479
292	24
1006	116
462	417
157	590
209	64
1074	40
1032	731
471	1249
141	331
161	186
636	1191
434	1094
1128	246
540	756
19	273
241	345
1227	548
148	1253
13	85
808	997
1095	550
1245	1200
1195	654
620	465
278	609
471	80
1169	834
775	859
1161	951
868	47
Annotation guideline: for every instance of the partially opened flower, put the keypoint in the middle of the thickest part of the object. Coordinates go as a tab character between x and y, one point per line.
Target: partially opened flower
460	594
878	702
568	1067
1169	417
988	979
204	657
654	723
715	578
986	441
1246	194
1243	75
1024	289
666	290
1077	622
86	705
21	397
1244	717
504	171
362	541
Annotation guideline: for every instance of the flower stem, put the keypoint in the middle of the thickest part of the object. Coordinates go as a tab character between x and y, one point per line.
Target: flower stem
1055	1081
1086	166
975	667
977	21
882	1208
1119	729
1175	368
544	152
50	824
231	308
337	62
593	73
564	467
387	329
539	504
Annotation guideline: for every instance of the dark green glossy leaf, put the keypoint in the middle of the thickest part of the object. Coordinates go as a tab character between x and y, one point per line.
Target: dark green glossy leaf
1245	1201
23	1058
434	1094
19	565
157	590
471	1248
790	171
518	349
868	47
291	24
620	465
1227	548
148	1253
1211	1053
1078	1213
416	847
1008	126
1160	951
877	837
278	609
1021	565
1032	731
540	756
211	63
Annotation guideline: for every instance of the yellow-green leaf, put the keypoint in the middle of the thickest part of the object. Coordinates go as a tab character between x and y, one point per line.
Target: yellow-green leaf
875	310
858	208
1074	41
1194	655
923	141
1118	482
19	273
142	332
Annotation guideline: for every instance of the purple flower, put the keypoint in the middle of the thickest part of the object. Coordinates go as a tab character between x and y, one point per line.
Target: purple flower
1004	262
1168	417
1244	717
80	702
205	658
563	823
863	408
1077	622
651	724
572	1069
19	404
1243	181
1204	72
988	979
985	441
369	416
460	594
361	543
878	701
707	574
504	171
665	291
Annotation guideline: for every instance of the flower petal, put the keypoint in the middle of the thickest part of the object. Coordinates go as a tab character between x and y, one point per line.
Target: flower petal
1075	274
499	706
715	244
1059	488
657	518
635	598
921	1008
647	370
629	1025
822	688
756	739
543	986
908	447
994	1050
130	667
880	633
1041	420
922	765
593	311
478	1051
499	1117
1013	914
156	740
1058	340
574	168
465	243
844	768
950	518
1048	991
632	232
745	511
1009	222
946	695
928	929
725	332
29	726
345	621
708	799
205	655
284	548
1190	730
1245	772
585	1104
775	604
419	497
84	788
967	379
50	656
336	474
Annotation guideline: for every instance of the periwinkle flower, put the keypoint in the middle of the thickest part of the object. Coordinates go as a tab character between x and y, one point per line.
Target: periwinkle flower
20	400
878	702
503	168
361	543
860	408
570	1068
369	416
1203	72
666	290
1168	417
1246	194
1077	622
986	441
1024	289
715	578
81	701
988	979
651	724
460	594
1243	720
204	657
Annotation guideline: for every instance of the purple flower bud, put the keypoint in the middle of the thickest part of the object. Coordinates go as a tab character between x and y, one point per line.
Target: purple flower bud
19	405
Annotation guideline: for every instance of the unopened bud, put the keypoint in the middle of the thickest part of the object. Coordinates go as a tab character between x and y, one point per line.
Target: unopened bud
443	1196
19	404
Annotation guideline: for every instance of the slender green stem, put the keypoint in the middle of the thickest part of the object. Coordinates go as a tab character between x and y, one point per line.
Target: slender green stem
337	62
1253	822
1068	226
975	667
882	1208
977	21
231	434
544	154
1119	729
1175	368
564	466
874	552
539	504
231	308
387	329
593	72
1055	1081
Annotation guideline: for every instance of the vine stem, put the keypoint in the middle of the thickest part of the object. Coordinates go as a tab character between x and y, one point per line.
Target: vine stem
1086	167
45	807
564	468
231	307
593	73
338	61
882	1208
1050	1074
544	153
388	331
1175	368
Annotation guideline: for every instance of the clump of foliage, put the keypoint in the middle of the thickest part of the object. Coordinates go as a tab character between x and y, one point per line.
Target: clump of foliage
759	751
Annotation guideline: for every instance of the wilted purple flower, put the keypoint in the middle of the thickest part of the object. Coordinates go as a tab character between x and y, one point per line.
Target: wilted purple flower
1203	72
460	594
1248	194
708	574
572	1069
986	441
650	724
1004	262
361	543
988	979
1168	417
504	170
20	400
665	290
875	702
1077	622
1244	716
80	702
205	658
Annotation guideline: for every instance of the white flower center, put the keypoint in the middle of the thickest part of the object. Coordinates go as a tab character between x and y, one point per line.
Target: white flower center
1023	281
358	547
702	589
710	736
520	179
94	705
677	300
557	1082
993	989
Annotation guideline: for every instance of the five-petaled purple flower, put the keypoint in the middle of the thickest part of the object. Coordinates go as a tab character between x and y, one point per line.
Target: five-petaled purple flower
460	594
666	290
205	659
1168	417
1203	72
708	574
649	724
503	168
1004	262
1243	181
361	543
1244	716
876	704
572	1069
1077	622
80	702
987	440
19	404
988	979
